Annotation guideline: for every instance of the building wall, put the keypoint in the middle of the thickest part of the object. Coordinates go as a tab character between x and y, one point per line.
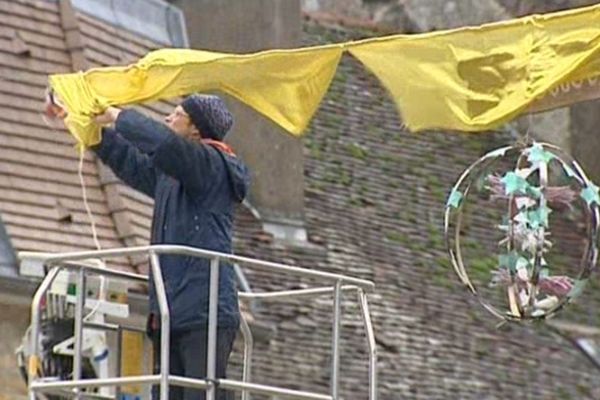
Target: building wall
585	140
14	320
248	27
436	14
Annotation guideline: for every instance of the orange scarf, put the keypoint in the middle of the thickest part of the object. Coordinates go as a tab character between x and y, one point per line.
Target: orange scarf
224	147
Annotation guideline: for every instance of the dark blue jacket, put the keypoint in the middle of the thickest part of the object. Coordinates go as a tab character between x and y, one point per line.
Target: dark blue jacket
195	188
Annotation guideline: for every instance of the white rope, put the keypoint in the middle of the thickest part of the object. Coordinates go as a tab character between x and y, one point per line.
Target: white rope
86	204
88	210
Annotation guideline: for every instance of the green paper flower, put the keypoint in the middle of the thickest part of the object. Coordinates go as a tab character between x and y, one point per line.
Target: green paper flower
534	191
537	155
509	260
568	170
454	199
538	217
590	194
522	262
513	183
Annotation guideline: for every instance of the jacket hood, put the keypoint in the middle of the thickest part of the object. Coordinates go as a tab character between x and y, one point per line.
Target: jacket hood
239	176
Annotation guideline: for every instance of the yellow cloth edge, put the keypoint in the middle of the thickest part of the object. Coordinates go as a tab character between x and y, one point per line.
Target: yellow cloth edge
79	122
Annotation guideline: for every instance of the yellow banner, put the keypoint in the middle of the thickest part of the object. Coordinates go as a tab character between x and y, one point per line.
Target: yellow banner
286	86
467	79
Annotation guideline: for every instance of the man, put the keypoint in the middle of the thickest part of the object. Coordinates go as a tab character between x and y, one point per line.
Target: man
195	180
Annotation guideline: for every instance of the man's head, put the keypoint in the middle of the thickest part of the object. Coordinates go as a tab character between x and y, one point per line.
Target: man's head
180	122
203	115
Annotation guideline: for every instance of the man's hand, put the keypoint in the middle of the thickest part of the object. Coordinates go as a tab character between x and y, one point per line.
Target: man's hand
109	116
53	109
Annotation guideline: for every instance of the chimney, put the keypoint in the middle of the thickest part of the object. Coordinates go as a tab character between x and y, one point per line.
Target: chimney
275	158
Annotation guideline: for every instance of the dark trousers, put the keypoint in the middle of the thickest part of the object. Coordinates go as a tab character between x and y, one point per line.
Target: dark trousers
188	358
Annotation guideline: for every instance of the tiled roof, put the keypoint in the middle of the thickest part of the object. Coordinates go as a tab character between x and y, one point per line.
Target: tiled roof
375	196
105	45
374	204
40	194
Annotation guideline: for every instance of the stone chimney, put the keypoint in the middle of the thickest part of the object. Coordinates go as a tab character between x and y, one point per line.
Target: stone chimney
275	158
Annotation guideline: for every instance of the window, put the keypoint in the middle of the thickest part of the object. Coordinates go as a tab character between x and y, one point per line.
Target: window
8	260
155	19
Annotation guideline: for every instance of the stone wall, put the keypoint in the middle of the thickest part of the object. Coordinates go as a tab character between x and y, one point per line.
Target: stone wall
436	14
14	320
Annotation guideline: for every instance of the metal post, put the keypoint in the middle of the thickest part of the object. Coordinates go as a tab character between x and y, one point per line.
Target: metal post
248	344
244	285
364	306
213	308
34	358
119	357
335	340
79	304
165	326
193	252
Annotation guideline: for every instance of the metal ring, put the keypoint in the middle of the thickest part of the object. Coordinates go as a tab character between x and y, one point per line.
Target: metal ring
454	216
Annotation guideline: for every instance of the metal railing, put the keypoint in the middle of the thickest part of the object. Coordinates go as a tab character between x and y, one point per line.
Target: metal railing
334	283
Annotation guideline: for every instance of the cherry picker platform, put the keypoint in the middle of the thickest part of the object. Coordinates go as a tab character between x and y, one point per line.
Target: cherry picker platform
66	287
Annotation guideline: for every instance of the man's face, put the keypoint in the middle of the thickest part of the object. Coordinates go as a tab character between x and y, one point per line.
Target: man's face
181	123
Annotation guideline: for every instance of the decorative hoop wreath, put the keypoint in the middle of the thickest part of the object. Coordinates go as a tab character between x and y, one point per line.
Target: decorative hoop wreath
532	292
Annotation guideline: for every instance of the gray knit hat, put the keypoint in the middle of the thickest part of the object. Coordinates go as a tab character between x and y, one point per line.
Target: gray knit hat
209	114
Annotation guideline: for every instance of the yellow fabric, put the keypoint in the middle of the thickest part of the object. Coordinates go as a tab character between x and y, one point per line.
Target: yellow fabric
468	79
286	86
474	79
